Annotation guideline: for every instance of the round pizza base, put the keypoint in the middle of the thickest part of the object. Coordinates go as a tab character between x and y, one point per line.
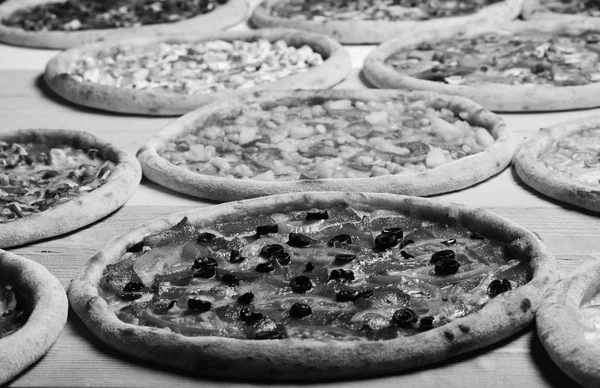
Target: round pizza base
229	14
553	184
377	31
157	102
79	211
451	176
45	299
560	325
306	360
496	97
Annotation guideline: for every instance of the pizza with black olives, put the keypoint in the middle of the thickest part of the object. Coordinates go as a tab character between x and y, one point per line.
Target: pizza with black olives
61	24
357	284
519	66
33	311
55	181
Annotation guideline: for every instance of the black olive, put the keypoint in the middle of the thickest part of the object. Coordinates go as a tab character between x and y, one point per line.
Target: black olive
426	323
266	229
137	247
396	232
267	335
444	254
205	237
385	241
497	287
318	215
199	304
129	296
250	316
341	274
406	242
449	242
309	267
205	272
365	294
246	298
282	258
265	267
406	255
346	296
340	239
344	258
230	280
207	6
271	249
301	284
300	310
298	240
477	236
236	257
446	267
171	305
205	262
404	317
133	286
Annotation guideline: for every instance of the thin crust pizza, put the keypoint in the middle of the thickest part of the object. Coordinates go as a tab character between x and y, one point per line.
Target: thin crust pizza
174	75
329	140
375	21
568	324
33	311
61	24
56	181
571	10
563	162
356	284
519	66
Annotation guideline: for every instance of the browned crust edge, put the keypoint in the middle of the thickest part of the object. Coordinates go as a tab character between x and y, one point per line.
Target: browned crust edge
496	97
369	32
536	10
452	176
222	17
560	328
553	184
334	69
293	360
46	300
82	210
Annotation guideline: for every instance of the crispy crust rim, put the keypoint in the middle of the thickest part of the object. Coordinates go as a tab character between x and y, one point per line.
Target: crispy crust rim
553	184
496	97
560	328
45	299
222	17
293	360
79	211
334	69
369	32
452	176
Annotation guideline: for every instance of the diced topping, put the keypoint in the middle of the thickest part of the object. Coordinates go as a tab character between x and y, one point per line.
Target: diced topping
230	280
340	239
199	305
205	237
446	267
298	240
301	284
133	286
265	267
236	257
426	323
497	287
344	258
300	310
246	298
318	215
266	229
272	249
12	315
385	241
341	274
249	316
441	255
405	317
309	267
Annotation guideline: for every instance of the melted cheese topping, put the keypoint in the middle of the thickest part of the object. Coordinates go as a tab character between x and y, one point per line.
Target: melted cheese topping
11	316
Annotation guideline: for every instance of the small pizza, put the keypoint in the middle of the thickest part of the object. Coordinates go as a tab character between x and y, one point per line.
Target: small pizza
61	24
568	324
375	21
312	286
329	140
174	75
521	66
563	162
33	311
55	181
573	10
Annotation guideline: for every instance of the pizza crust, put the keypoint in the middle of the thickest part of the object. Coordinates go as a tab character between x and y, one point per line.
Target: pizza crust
45	298
222	17
496	97
84	209
306	360
550	183
369	32
451	176
560	327
337	64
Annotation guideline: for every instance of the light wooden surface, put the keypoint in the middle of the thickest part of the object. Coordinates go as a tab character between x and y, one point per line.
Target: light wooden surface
79	359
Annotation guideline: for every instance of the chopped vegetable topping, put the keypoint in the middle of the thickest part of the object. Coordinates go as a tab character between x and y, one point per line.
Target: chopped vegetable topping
12	317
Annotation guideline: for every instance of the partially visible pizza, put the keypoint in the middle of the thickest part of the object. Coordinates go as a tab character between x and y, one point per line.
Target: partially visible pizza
521	66
563	162
33	311
56	181
572	10
375	21
174	75
63	24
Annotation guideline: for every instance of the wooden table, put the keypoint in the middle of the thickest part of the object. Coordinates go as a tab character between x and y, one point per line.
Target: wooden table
79	359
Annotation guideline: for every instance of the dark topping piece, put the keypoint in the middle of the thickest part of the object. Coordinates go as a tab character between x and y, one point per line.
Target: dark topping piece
318	215
205	237
205	272
202	262
341	274
298	240
365	294
347	296
396	232
246	298
477	236
340	239
137	247
426	323
406	242
440	255
199	304
171	305
449	242
446	267
267	335
385	241
344	258
250	316
497	287
180	233
300	310
406	255
309	267
230	280
133	286
266	229
265	267
404	317
269	250
301	284
236	257
283	258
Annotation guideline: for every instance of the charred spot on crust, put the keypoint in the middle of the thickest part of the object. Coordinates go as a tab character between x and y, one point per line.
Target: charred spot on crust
449	335
89	303
465	329
128	332
525	305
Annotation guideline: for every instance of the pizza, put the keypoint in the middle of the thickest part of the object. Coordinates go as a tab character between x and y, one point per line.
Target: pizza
174	75
33	311
61	24
521	66
563	162
313	286
568	324
573	10
328	140
375	21
55	181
